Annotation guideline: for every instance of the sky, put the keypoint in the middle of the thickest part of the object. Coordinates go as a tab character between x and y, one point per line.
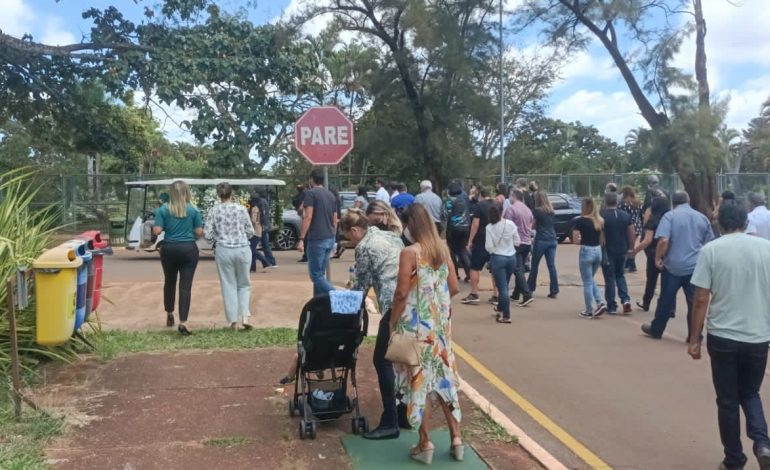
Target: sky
590	89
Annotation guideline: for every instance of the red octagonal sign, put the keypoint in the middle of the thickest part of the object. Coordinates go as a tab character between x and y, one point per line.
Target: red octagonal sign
323	135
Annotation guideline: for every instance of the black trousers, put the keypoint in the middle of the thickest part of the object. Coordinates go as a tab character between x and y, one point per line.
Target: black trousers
458	250
179	261
653	273
385	375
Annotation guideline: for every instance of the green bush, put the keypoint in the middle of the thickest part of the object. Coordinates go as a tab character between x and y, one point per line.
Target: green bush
24	234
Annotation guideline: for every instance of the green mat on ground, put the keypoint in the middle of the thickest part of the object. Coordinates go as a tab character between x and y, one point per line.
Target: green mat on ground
394	453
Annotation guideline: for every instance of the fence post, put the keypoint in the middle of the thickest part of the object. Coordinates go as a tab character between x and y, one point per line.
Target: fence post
15	378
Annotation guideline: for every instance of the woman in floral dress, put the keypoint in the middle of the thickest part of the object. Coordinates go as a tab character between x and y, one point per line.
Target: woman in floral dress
423	295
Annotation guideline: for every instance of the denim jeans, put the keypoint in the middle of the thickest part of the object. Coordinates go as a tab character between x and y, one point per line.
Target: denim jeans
669	286
256	255
521	286
233	269
503	268
386	375
737	370
548	249
318	254
615	276
589	261
267	249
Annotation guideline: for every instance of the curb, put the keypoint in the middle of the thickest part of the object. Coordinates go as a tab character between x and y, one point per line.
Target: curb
527	443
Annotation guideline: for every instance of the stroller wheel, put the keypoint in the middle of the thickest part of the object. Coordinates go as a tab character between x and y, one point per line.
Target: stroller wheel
311	430
302	434
359	425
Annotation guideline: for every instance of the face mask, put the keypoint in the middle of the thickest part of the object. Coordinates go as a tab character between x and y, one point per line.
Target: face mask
408	235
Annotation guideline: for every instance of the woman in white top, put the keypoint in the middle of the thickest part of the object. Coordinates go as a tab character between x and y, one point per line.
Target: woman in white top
501	243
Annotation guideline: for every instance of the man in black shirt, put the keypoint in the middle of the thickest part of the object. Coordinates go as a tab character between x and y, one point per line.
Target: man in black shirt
619	236
477	243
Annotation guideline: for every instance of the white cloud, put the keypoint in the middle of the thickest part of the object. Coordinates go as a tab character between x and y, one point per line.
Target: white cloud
745	104
614	114
168	117
55	33
16	17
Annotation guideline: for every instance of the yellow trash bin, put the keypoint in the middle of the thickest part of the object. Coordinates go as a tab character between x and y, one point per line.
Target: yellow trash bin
56	276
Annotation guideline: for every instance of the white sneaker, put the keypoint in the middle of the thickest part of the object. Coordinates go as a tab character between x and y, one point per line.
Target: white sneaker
586	314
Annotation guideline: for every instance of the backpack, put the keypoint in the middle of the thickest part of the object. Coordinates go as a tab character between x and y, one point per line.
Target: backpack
457	215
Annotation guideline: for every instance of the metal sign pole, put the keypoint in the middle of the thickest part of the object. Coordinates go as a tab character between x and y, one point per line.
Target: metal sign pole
329	263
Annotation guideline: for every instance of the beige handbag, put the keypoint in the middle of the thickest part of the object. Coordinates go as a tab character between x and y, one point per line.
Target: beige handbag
405	348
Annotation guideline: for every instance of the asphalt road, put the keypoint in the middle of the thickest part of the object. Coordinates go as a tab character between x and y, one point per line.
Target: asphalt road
634	402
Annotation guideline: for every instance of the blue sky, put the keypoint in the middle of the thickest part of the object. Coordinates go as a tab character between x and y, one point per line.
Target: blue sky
591	89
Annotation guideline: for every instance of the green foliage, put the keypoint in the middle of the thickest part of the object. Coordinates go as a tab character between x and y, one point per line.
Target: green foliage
549	146
22	443
755	150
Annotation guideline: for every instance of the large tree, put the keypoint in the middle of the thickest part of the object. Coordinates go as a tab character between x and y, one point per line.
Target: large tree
246	84
642	37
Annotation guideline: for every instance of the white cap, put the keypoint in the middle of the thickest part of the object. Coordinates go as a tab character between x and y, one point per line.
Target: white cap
425	184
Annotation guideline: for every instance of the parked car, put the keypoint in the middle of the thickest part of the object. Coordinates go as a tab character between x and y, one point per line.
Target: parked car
287	237
348	199
566	212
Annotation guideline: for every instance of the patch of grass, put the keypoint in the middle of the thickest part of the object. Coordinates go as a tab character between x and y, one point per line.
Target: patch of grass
229	442
110	344
485	427
22	443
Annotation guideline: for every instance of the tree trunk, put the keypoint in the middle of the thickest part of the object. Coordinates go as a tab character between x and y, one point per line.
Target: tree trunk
701	72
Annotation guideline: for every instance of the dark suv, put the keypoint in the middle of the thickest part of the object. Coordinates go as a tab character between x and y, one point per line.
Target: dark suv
566	211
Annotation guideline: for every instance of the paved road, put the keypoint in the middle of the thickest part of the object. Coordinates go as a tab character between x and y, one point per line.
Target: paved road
636	403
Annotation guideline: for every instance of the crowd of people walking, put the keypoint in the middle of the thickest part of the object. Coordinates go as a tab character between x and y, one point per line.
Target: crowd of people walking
400	254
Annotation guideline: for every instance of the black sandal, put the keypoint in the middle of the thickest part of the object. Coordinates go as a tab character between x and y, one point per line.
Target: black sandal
183	330
169	320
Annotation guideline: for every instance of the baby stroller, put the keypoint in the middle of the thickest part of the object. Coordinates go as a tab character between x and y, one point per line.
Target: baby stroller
327	347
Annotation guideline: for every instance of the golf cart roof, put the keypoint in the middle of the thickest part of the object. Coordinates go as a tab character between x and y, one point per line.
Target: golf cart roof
209	182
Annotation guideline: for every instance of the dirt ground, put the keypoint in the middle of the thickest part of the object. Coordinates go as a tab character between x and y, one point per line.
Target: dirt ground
203	410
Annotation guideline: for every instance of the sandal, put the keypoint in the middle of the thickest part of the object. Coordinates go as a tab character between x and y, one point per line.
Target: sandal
457	450
424	455
183	330
169	320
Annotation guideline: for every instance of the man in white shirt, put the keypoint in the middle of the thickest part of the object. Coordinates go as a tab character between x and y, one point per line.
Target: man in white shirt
394	188
382	192
733	272
759	217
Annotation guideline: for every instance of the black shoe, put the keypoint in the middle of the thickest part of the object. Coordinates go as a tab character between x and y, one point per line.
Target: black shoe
722	466
169	320
380	434
302	260
286	380
183	330
552	296
647	329
526	301
763	457
673	315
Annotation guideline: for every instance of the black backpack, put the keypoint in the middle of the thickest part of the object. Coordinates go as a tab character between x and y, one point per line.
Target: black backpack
457	215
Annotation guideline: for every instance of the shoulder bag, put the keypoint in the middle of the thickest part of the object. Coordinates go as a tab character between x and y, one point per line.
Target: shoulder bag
405	348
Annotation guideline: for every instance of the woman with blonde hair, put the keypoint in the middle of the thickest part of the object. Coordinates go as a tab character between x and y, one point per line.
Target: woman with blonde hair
421	309
544	245
382	216
377	255
589	234
181	225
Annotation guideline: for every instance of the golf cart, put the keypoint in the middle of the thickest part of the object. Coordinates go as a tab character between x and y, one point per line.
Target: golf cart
144	197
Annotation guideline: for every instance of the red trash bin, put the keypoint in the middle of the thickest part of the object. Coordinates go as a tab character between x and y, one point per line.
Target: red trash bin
99	248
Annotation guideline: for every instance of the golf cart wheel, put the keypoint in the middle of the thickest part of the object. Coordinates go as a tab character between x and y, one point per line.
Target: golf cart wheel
302	428
287	238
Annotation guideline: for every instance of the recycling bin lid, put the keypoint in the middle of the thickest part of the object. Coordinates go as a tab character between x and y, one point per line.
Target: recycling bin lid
59	257
82	249
96	237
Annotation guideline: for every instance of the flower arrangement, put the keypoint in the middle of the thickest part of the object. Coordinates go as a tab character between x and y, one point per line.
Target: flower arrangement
204	198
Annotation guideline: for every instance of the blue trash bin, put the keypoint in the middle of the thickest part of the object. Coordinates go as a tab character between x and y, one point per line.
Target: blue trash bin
81	250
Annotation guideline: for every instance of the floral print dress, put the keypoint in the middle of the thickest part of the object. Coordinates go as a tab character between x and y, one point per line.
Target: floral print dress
428	313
